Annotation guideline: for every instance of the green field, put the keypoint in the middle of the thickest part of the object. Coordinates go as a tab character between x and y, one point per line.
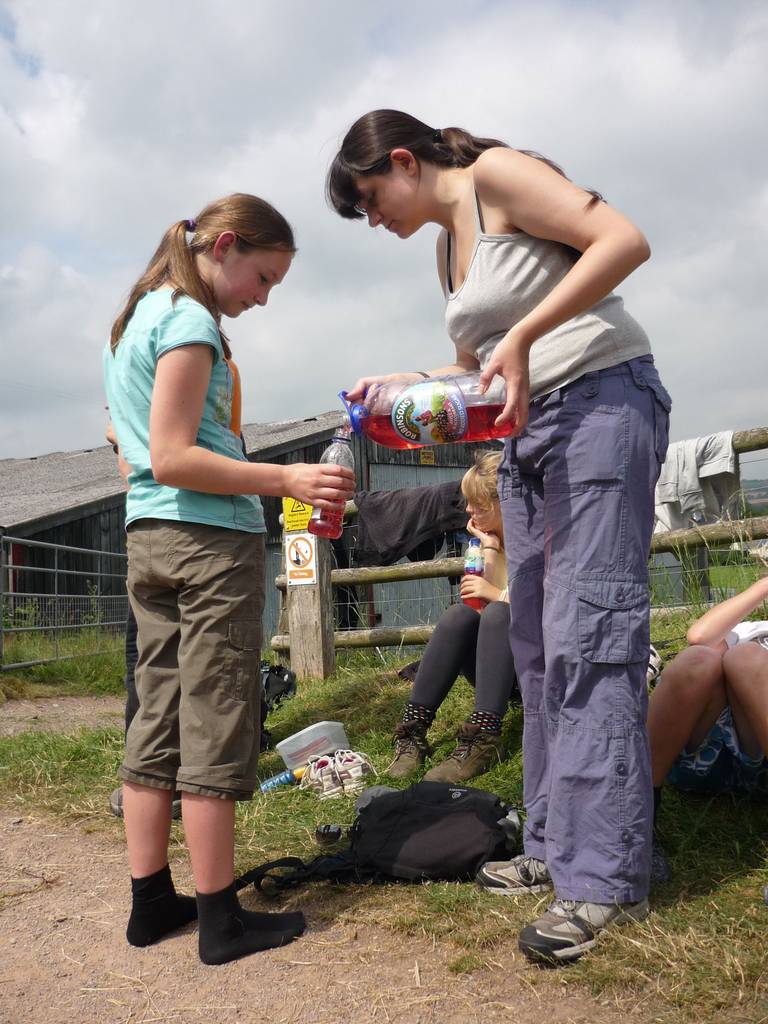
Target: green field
700	956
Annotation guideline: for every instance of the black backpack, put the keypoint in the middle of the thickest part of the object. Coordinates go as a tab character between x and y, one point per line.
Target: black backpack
277	684
430	831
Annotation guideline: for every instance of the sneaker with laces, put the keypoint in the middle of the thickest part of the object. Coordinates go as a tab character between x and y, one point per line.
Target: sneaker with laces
569	928
353	769
411	749
655	665
514	877
322	778
476	751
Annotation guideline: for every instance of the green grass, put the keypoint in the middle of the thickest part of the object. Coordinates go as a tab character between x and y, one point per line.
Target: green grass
93	662
699	957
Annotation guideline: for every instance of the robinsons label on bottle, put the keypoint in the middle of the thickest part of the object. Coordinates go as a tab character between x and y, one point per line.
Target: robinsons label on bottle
433	412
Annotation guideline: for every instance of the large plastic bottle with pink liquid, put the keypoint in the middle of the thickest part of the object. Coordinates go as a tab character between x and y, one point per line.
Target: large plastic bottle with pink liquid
438	410
339	452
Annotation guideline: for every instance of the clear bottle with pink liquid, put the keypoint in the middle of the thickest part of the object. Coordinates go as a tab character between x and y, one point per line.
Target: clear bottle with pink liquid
339	453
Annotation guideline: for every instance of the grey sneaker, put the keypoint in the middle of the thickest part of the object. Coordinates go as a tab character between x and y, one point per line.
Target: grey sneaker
514	877
476	752
411	749
568	929
116	804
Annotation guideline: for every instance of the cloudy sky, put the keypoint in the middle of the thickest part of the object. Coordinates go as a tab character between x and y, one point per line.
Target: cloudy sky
118	118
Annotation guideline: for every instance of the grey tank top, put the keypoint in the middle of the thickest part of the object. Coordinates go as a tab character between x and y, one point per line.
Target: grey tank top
507	276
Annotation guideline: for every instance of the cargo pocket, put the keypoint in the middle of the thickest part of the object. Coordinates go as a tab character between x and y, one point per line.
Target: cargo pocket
244	639
614	626
662	409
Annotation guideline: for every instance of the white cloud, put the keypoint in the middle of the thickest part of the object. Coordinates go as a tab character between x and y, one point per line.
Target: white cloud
117	119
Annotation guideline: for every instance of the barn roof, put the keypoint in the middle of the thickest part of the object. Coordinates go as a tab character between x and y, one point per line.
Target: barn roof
47	487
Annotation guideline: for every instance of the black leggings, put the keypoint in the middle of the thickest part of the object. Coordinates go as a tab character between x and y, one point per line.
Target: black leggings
475	644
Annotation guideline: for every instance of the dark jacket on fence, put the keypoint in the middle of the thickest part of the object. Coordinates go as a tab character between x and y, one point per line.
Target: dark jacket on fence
411	521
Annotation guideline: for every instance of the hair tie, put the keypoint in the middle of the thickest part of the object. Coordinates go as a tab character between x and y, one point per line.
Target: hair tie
437	136
191	224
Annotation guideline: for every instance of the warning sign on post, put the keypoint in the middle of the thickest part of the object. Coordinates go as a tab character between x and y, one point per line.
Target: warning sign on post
300	559
296	515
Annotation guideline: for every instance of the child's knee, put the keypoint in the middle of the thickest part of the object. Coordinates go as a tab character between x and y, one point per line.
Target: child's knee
696	671
747	663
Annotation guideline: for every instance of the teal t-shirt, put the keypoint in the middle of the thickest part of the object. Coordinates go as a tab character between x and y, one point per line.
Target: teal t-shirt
158	325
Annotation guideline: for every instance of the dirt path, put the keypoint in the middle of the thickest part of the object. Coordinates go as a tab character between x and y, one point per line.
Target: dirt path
64	903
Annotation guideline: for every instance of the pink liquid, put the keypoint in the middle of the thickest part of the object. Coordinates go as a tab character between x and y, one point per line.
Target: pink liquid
329	524
474	602
480	427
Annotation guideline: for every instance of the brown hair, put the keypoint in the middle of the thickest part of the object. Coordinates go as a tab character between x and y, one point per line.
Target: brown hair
256	225
479	482
367	146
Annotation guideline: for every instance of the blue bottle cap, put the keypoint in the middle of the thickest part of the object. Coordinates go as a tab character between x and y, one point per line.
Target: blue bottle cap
357	413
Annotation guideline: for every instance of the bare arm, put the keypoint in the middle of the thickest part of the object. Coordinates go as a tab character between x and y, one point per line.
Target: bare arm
464	364
714	625
123	467
535	199
178	400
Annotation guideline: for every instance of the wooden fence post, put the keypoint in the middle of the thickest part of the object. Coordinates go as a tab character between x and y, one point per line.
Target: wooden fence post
311	620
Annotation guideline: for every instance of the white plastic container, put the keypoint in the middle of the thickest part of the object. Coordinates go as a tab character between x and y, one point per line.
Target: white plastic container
320	738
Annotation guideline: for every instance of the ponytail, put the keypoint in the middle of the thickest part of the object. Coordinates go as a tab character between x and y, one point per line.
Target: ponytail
367	145
256	225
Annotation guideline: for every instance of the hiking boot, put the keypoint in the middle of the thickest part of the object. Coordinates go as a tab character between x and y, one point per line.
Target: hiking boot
476	752
514	877
568	928
411	749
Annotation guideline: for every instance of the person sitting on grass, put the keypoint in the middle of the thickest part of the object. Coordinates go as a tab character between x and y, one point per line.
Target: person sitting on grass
708	716
475	643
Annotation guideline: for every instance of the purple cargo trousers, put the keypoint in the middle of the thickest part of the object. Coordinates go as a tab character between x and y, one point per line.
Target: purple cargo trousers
576	492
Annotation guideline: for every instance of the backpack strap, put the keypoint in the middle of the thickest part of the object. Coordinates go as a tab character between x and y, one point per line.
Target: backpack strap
287	872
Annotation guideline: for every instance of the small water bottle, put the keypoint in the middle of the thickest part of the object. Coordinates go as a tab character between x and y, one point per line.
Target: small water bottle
474	566
286	778
338	453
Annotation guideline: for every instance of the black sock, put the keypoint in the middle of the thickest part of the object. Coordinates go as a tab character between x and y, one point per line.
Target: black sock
228	932
157	910
656	805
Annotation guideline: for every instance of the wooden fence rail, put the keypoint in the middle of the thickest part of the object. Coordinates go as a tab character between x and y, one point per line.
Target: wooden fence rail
310	610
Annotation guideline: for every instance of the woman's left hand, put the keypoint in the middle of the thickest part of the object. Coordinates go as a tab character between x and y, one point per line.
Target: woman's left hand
510	361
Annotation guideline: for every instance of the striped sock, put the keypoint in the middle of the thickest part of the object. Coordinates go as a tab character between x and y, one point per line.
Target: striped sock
418	713
487	720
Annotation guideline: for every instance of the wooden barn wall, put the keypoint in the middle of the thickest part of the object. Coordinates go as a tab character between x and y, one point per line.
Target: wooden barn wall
103	531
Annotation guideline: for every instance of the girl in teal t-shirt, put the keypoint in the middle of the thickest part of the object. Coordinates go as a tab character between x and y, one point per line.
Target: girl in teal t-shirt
196	566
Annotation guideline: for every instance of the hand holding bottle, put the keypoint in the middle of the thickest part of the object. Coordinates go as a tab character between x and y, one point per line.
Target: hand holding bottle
322	486
477	592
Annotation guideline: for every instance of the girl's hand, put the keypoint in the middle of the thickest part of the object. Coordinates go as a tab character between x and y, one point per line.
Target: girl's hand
487	540
322	486
361	387
476	586
510	361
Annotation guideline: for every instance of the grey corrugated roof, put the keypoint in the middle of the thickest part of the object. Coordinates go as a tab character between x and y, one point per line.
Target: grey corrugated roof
37	488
